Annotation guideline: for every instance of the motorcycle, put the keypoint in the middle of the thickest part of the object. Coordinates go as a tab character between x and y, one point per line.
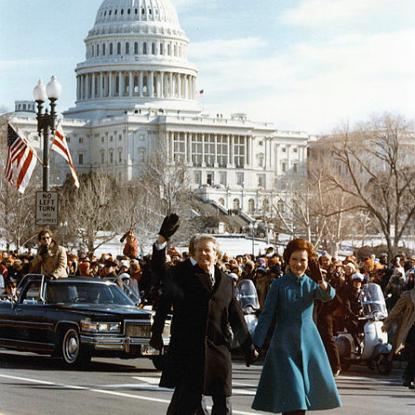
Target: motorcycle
247	297
372	345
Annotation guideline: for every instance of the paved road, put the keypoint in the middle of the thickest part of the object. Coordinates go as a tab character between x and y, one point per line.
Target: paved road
31	385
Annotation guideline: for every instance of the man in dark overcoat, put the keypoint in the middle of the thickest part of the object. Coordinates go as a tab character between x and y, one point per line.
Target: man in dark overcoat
198	362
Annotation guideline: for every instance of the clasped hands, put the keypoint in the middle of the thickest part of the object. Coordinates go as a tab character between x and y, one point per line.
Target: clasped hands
251	356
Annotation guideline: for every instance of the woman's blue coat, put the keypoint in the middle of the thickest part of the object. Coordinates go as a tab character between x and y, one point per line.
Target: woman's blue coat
296	373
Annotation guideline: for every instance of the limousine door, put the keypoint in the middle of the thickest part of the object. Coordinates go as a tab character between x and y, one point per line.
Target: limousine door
31	318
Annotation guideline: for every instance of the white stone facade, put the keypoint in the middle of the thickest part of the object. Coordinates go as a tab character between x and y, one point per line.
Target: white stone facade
136	88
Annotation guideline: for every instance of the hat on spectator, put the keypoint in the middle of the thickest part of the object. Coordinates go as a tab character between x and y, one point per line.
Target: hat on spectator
358	277
262	262
261	269
125	263
351	265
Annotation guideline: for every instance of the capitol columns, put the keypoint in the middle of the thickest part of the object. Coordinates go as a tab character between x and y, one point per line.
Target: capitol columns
186	87
130	84
171	91
140	83
189	148
121	84
251	149
231	148
247	156
100	86
161	84
215	137
93	86
81	83
186	159
203	151
110	84
171	146
179	81
150	85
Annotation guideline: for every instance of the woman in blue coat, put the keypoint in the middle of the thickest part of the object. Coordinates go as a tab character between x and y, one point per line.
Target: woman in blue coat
296	376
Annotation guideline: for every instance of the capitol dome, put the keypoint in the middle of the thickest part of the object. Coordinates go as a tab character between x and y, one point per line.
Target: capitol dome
136	57
138	11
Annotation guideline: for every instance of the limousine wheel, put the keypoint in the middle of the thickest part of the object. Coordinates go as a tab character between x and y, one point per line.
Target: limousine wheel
71	350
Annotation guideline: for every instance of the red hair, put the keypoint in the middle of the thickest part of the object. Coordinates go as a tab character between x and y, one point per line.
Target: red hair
298	245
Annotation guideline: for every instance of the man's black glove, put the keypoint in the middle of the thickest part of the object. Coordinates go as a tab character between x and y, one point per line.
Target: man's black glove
169	226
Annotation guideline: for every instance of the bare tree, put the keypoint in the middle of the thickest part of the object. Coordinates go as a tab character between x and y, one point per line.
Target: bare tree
163	188
17	221
315	210
376	160
92	210
167	178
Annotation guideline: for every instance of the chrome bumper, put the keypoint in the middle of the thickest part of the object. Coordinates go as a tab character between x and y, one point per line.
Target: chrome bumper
121	344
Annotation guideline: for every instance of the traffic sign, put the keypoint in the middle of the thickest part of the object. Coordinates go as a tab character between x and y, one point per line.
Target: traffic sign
47	208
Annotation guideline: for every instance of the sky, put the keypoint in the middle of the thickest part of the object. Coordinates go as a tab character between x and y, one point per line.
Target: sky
308	65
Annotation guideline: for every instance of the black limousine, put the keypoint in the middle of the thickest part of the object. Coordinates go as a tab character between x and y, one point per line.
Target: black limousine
75	319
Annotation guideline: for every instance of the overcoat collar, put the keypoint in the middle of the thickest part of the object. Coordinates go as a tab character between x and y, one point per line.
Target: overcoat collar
204	279
292	277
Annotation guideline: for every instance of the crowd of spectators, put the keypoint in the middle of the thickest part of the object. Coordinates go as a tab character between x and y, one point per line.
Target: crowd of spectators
345	275
132	272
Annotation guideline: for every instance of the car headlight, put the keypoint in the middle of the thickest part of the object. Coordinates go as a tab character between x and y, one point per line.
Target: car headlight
100	327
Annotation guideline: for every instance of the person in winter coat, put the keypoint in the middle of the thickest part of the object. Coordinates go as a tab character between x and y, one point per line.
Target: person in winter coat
396	284
296	375
131	249
198	361
403	315
262	283
325	313
51	259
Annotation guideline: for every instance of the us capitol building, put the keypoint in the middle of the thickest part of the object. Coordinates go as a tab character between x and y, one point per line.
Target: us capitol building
137	90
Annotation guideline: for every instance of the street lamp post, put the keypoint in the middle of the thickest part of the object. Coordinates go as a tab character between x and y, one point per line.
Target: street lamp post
252	227
45	120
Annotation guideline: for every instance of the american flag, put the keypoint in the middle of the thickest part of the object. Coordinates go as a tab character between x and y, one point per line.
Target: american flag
60	145
21	159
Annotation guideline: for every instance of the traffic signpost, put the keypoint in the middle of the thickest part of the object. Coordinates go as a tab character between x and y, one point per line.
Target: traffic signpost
47	206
